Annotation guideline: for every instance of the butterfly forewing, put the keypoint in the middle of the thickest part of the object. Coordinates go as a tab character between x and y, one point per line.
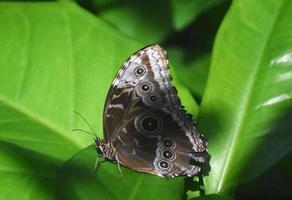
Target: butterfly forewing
144	121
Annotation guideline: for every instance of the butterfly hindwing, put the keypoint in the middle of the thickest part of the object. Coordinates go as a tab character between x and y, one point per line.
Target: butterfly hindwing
144	121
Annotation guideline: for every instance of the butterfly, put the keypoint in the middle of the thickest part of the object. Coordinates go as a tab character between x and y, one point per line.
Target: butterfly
145	126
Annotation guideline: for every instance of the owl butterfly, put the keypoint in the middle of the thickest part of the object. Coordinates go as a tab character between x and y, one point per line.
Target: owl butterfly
145	126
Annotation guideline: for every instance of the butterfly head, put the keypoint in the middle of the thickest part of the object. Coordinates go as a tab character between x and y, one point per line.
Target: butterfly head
105	148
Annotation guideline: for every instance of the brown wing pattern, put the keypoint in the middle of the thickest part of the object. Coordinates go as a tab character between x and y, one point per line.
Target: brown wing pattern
145	122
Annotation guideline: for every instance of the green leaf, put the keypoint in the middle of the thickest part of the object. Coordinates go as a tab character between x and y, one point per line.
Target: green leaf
246	108
212	197
55	58
185	11
77	180
146	21
26	174
194	74
185	95
191	74
286	162
274	183
56	64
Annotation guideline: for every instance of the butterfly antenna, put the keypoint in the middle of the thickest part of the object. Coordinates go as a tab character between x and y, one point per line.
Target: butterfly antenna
78	129
77	113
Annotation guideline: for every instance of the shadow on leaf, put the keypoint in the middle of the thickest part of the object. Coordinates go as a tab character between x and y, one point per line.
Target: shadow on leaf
27	167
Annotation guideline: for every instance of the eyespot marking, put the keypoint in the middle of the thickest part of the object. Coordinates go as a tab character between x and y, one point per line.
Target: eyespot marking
152	100
148	124
164	165
145	87
140	71
168	143
167	154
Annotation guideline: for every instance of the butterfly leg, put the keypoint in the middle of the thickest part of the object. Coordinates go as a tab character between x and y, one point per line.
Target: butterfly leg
119	167
98	161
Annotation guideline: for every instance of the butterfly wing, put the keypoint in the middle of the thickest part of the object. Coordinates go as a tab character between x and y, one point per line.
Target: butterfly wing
145	122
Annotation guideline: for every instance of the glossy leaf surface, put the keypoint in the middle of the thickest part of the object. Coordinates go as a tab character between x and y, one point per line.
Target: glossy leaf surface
246	109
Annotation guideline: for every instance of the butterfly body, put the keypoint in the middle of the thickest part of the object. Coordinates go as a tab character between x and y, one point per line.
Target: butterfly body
145	126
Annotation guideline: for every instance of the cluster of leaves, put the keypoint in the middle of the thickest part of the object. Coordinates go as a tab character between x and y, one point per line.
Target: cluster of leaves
57	57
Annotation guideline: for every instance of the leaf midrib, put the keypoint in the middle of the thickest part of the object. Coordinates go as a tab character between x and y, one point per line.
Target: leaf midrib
41	120
34	116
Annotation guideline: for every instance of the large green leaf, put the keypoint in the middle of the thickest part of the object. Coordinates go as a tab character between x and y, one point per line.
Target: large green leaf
246	109
26	174
274	183
55	58
51	66
192	74
212	197
147	21
185	11
151	21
